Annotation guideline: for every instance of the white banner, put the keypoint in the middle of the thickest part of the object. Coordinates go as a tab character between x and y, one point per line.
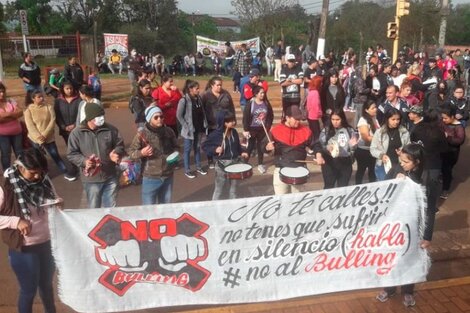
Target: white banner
244	250
116	41
206	45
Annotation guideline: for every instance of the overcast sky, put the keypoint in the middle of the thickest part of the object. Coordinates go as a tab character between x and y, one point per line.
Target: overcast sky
222	8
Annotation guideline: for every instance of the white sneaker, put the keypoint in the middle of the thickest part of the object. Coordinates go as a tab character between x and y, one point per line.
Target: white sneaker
261	168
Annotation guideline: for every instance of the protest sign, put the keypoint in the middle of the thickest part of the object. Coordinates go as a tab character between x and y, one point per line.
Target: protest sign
243	250
206	45
116	41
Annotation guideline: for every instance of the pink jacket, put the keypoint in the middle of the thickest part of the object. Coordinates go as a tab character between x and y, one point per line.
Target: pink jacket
314	111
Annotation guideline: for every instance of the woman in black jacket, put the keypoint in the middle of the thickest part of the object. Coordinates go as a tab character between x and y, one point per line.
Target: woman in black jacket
332	96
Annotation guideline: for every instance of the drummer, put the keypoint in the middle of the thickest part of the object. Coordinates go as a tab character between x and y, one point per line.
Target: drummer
152	146
289	141
224	145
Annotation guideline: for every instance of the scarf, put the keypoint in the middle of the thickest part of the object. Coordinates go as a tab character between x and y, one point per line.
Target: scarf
29	193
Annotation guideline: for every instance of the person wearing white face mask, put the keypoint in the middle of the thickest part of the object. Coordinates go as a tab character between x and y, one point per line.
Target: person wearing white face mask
96	147
134	63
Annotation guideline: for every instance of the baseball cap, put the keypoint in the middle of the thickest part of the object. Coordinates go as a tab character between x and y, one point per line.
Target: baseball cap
54	71
290	57
322	57
416	109
253	72
294	111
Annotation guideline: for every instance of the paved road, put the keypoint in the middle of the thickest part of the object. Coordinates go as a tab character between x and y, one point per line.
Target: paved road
451	244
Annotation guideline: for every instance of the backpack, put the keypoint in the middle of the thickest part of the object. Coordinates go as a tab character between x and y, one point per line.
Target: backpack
95	83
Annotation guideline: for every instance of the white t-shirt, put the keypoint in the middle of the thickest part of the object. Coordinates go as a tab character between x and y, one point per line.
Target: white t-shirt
362	143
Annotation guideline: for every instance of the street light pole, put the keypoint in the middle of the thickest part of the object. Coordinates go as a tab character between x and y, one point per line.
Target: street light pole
322	33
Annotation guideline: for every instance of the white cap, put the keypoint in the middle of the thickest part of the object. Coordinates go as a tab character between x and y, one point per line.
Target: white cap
290	57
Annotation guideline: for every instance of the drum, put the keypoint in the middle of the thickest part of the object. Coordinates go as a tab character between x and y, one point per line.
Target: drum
294	175
173	158
238	171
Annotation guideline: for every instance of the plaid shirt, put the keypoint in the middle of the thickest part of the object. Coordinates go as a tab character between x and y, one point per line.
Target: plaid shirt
243	61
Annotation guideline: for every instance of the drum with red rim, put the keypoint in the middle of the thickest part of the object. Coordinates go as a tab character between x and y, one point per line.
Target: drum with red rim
238	171
294	175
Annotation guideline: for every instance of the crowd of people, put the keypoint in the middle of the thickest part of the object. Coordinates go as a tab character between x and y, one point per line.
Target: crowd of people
407	118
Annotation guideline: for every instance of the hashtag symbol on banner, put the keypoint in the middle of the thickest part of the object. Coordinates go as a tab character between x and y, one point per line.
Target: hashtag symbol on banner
232	278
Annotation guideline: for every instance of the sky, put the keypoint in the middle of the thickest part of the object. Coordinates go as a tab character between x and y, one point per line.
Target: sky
222	8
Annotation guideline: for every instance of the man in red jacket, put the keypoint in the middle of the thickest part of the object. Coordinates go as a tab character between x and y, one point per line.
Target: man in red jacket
289	141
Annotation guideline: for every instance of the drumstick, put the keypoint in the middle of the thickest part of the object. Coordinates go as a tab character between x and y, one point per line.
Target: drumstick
306	161
265	130
223	138
141	136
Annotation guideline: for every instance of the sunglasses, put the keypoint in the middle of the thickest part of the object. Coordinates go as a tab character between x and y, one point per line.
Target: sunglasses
156	117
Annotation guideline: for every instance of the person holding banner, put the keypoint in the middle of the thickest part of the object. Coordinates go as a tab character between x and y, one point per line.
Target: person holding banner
289	141
334	150
387	142
411	165
224	144
152	146
24	197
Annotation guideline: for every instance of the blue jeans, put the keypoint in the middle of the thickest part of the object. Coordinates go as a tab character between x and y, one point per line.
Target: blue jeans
156	190
30	88
8	142
34	268
223	184
195	144
51	148
102	195
380	172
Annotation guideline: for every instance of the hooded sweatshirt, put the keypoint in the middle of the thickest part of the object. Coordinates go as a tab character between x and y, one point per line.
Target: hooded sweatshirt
231	143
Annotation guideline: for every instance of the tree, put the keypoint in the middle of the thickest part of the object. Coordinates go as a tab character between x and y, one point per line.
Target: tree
250	10
458	27
38	14
273	19
356	17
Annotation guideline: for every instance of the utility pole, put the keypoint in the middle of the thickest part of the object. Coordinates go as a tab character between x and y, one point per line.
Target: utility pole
322	33
443	27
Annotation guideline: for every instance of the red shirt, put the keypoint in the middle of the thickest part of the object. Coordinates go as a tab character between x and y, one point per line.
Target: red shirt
168	103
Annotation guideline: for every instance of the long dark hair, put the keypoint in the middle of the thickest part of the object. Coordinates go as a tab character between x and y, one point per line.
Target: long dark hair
67	83
212	81
388	114
141	84
369	119
344	122
416	153
189	84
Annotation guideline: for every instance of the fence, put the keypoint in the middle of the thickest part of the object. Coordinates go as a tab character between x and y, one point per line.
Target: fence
64	46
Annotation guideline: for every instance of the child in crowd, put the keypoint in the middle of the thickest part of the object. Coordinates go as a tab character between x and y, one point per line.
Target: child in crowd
224	145
410	165
237	77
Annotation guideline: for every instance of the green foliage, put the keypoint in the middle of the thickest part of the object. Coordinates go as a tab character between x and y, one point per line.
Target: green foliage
367	18
458	25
